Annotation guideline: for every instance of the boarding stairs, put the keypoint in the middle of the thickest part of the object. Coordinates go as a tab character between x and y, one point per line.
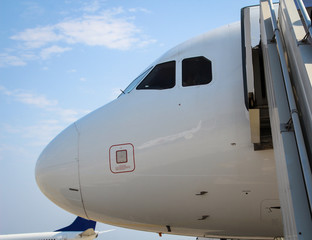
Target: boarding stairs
278	86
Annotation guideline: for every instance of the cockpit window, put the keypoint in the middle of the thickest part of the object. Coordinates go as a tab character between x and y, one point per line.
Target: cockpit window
196	71
161	77
136	81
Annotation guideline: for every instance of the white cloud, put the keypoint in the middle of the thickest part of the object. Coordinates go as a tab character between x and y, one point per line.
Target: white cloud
107	29
42	132
146	42
92	6
47	52
12	150
29	98
4	90
10	60
38	37
144	10
113	28
38	134
100	31
41	101
68	115
32	9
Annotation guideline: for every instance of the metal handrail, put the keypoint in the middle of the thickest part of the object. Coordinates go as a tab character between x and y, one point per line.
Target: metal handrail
305	165
305	15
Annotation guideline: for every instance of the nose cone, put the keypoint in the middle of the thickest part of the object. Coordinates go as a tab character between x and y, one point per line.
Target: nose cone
57	171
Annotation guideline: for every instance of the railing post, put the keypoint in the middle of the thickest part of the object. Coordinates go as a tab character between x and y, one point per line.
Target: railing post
305	16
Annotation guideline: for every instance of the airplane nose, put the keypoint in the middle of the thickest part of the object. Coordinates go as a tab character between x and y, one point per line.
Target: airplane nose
57	171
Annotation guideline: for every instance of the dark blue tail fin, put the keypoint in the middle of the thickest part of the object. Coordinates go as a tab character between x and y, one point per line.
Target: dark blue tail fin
80	224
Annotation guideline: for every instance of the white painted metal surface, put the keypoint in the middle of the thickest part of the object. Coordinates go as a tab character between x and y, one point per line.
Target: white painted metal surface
196	172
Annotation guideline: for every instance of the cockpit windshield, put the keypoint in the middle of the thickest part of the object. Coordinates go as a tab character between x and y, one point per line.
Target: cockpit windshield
161	77
136	81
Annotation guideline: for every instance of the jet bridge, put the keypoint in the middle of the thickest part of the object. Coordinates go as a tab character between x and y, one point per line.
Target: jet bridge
277	67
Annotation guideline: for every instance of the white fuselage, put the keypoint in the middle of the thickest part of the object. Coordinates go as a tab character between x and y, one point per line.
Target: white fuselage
192	169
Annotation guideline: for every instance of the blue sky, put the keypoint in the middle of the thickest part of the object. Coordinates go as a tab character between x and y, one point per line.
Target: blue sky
62	59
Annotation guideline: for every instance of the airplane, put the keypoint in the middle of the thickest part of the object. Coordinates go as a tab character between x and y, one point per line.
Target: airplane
173	153
81	228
